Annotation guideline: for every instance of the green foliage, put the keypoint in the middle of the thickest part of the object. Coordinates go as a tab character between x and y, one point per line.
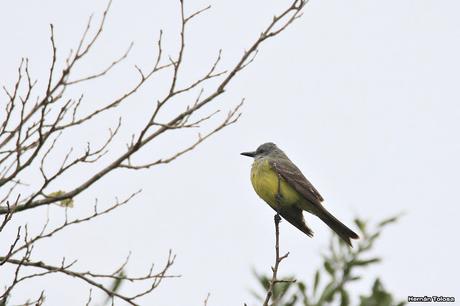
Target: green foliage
115	287
341	266
63	203
379	297
284	293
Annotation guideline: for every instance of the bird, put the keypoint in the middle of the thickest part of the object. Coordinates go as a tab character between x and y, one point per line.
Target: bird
278	181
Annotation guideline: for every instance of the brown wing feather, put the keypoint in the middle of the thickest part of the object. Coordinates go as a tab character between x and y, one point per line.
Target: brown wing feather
294	216
297	180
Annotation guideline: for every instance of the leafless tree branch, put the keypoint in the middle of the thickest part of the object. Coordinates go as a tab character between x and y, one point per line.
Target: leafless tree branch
154	279
37	117
278	259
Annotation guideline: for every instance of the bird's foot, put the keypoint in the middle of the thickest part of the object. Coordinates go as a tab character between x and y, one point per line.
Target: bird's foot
277	218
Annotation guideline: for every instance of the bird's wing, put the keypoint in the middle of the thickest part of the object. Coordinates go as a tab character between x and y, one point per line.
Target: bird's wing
294	177
294	216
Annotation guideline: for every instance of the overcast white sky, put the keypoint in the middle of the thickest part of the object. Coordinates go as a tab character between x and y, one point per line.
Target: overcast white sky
362	95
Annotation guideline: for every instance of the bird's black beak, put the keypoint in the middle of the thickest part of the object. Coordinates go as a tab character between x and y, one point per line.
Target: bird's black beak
250	154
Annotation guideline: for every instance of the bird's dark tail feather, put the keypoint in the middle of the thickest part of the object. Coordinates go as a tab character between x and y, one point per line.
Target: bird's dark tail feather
341	229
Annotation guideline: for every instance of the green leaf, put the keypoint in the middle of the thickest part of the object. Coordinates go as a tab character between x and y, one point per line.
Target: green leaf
360	224
374	236
389	221
302	292
365	262
117	282
302	287
328	293
280	289
379	297
377	286
292	302
354	278
328	267
65	202
316	281
345	298
262	279
264	282
56	194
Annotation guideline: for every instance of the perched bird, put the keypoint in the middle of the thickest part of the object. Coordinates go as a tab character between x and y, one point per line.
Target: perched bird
281	184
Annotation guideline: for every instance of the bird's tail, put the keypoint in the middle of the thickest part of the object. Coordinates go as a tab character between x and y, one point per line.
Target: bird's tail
341	229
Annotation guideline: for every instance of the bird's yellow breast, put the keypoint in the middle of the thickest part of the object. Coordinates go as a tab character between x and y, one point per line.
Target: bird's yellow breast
265	182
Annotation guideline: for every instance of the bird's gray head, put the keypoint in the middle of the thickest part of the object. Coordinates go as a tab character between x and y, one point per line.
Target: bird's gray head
268	148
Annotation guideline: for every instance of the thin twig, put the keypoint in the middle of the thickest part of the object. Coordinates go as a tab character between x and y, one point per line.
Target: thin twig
278	259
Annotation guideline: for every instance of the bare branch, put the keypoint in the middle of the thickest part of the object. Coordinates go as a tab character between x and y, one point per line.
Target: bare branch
103	72
35	119
146	135
67	223
153	279
278	259
231	118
